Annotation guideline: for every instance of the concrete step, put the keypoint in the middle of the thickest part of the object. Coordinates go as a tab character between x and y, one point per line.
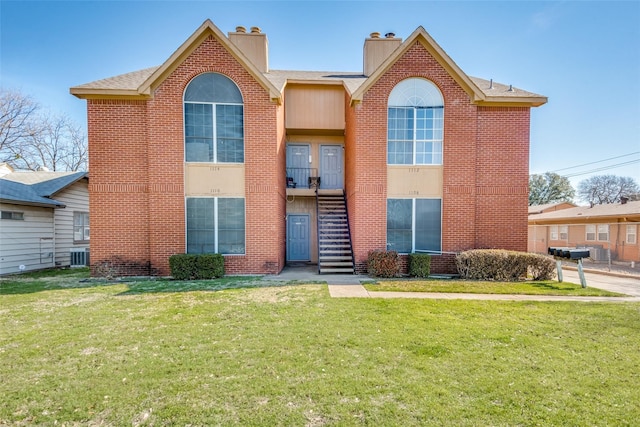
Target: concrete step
336	270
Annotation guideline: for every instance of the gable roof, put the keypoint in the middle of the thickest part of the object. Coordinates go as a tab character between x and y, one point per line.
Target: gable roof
490	93
36	188
142	83
629	211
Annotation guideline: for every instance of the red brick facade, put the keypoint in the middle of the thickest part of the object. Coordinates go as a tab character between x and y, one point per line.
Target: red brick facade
137	190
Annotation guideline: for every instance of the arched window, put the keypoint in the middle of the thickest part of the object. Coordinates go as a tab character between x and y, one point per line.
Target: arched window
415	123
213	120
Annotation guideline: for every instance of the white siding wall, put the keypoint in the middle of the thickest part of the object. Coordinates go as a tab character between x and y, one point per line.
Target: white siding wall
27	242
76	197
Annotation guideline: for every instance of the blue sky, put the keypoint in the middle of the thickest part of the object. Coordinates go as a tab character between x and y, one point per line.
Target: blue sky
583	55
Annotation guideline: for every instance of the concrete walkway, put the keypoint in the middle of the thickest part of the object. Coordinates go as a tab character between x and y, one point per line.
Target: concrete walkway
350	286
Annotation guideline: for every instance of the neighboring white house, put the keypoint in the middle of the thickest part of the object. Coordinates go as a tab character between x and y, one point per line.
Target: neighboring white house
44	219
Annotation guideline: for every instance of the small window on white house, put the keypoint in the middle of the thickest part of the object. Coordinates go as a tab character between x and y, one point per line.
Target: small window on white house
80	227
553	232
591	232
603	233
632	234
19	216
564	232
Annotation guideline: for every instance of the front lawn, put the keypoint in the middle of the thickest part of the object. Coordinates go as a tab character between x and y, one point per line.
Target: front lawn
139	354
542	287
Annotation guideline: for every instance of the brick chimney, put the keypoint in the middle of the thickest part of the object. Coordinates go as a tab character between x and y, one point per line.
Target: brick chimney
377	50
254	45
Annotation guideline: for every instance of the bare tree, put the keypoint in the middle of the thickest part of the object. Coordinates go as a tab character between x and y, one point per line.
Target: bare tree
32	140
17	112
58	144
604	189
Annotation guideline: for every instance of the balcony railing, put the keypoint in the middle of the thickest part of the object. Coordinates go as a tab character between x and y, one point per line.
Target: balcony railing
302	178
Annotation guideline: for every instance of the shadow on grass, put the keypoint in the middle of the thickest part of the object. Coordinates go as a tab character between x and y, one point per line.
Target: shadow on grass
61	279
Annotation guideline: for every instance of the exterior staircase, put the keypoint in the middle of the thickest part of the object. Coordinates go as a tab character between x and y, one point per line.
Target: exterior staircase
335	254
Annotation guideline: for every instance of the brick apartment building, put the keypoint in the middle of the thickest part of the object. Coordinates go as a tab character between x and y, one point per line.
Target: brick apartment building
212	151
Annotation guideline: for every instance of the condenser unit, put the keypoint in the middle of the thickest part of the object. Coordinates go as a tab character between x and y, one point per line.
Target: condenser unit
79	257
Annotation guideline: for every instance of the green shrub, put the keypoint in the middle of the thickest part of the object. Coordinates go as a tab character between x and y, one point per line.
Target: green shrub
383	264
196	266
209	266
502	265
419	265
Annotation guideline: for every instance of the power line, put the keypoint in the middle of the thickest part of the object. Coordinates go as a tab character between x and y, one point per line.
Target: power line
597	161
571	175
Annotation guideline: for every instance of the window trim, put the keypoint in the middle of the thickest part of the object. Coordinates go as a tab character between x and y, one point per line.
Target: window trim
563	232
413	225
214	105
553	232
590	229
598	232
633	227
216	224
86	226
415	93
12	215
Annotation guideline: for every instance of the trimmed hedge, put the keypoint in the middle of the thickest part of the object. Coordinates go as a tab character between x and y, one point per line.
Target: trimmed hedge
383	264
502	265
196	266
419	265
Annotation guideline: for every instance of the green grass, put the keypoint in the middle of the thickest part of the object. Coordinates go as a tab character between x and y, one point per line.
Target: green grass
547	287
92	353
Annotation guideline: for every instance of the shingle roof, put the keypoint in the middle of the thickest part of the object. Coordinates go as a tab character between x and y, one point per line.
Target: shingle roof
140	83
587	212
279	78
36	188
538	209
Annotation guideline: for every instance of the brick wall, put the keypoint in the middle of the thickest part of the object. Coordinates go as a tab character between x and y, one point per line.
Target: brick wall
155	143
485	158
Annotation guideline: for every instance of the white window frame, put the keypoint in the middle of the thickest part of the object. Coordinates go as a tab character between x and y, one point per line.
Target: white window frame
553	232
632	234
216	224
12	215
413	226
84	228
603	230
590	229
563	232
412	94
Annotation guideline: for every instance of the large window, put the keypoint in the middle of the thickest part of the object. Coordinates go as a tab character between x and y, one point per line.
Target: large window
213	120
414	225
415	123
80	227
215	225
590	232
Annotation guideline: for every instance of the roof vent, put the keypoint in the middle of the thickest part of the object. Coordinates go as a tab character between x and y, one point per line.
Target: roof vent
390	35
374	35
624	200
255	30
241	29
510	88
491	84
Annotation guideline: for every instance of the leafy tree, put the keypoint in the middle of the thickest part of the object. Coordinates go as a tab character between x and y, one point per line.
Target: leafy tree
604	189
31	138
549	188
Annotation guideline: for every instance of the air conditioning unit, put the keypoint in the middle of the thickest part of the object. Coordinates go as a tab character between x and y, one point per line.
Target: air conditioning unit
79	257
